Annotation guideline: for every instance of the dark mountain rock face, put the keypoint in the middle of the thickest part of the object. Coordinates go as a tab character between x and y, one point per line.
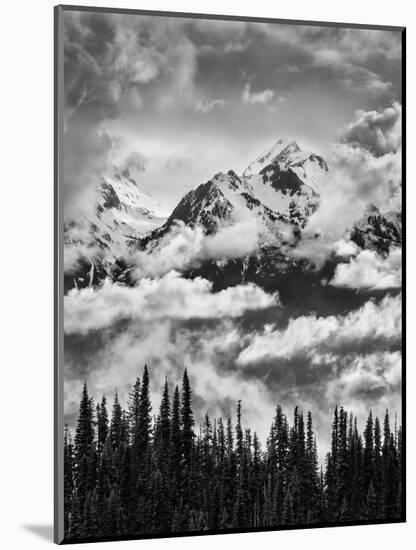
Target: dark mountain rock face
110	197
285	181
206	205
377	231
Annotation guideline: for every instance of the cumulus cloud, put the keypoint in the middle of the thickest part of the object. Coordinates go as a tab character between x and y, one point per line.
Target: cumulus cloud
262	97
168	347
305	334
357	179
169	297
110	62
379	131
366	377
205	105
345	248
185	247
369	270
365	169
151	80
75	252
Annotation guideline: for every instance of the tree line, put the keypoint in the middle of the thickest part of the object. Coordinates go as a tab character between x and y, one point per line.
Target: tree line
132	473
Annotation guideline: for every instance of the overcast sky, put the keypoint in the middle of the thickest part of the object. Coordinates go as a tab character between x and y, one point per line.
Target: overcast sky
184	98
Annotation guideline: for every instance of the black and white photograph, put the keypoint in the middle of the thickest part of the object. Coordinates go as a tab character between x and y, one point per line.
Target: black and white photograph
231	193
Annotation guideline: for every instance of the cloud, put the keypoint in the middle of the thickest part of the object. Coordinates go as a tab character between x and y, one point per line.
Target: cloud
349	75
257	98
354	45
111	62
134	162
75	252
155	85
345	248
205	105
184	247
168	347
357	179
169	297
370	271
234	240
366	377
365	169
150	79
379	131
305	334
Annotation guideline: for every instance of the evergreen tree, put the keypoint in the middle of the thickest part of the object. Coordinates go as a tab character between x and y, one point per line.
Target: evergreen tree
102	424
75	521
371	503
84	450
141	457
116	425
288	517
187	421
378	467
154	475
175	455
141	438
369	453
133	405
162	433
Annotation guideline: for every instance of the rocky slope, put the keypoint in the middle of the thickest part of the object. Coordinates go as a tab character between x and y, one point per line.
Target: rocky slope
96	242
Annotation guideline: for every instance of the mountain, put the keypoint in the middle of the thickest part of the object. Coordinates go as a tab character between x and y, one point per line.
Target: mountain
283	174
96	241
280	187
216	203
378	231
278	191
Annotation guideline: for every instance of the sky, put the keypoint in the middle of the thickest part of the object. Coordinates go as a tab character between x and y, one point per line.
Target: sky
181	98
178	100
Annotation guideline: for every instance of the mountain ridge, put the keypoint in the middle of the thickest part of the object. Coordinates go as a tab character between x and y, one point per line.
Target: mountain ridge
279	191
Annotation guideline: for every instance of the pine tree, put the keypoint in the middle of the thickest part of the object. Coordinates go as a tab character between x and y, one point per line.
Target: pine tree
311	483
288	517
389	492
133	405
369	453
175	454
162	433
102	424
141	438
378	467
84	450
114	522
371	503
141	456
90	524
399	502
116	425
163	477
75	521
187	421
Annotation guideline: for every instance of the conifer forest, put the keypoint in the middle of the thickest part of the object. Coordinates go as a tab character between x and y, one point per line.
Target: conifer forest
136	471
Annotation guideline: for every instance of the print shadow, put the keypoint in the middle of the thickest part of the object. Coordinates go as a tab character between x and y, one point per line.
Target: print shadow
43	531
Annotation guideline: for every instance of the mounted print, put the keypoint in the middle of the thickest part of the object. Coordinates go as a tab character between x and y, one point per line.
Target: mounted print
228	274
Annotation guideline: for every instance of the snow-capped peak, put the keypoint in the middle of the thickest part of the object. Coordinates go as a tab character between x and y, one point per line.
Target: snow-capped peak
281	147
309	167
